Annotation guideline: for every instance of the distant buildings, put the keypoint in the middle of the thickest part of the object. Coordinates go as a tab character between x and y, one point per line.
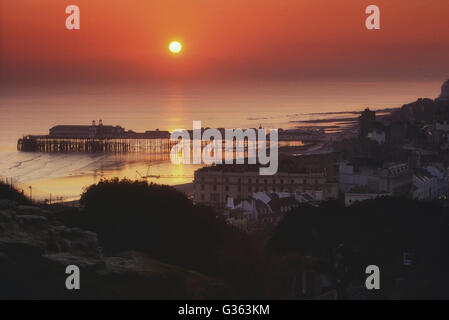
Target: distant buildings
442	126
430	182
409	158
438	135
252	202
378	136
439	186
393	179
422	185
392	132
427	183
214	185
367	122
259	210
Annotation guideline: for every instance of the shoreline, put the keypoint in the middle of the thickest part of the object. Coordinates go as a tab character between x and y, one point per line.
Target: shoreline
67	186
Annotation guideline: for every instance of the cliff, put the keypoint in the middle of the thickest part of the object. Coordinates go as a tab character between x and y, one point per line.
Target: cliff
36	247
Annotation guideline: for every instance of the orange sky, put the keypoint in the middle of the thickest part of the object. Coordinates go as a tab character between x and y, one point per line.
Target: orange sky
127	41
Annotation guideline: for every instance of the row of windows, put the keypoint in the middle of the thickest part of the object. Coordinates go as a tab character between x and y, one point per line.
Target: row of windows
267	181
257	189
257	180
215	196
250	189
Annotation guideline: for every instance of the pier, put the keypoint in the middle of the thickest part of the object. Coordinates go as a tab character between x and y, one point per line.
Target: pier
96	138
48	143
115	139
125	144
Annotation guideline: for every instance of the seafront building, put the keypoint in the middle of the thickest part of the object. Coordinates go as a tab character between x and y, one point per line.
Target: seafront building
215	184
393	178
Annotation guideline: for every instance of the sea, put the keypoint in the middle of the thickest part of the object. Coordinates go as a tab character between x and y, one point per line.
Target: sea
62	177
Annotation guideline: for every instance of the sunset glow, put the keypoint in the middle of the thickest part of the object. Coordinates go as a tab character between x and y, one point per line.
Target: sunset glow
288	39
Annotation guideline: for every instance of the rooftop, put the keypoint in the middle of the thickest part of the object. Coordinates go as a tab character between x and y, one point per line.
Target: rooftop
287	164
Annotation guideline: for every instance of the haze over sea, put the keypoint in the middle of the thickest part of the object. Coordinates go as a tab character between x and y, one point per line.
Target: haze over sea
31	110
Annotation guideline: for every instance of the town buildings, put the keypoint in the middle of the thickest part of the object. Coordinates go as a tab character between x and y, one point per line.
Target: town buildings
393	178
367	122
214	185
261	209
403	154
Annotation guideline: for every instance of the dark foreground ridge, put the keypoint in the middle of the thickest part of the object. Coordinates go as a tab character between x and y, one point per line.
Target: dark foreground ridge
317	252
36	247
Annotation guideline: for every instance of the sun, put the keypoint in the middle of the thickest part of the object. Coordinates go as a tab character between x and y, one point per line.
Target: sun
175	47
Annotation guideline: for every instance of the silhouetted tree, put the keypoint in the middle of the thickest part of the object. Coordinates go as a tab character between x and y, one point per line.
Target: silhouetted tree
8	192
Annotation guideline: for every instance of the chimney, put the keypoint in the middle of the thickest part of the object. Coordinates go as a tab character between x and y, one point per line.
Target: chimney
93	123
100	122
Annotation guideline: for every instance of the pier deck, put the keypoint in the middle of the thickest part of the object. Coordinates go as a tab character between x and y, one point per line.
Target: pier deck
47	143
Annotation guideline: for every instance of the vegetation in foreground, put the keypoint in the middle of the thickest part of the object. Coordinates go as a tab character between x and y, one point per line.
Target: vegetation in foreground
164	223
8	192
160	222
407	239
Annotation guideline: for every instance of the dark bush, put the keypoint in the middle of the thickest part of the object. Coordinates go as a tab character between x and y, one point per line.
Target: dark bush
163	222
9	192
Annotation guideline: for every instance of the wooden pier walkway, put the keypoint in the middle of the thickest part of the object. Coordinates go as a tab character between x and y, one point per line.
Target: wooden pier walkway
33	143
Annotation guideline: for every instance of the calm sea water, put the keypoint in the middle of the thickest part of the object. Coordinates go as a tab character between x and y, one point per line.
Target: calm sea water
31	110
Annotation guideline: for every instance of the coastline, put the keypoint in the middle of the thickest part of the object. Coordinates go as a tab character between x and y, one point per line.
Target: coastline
62	176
